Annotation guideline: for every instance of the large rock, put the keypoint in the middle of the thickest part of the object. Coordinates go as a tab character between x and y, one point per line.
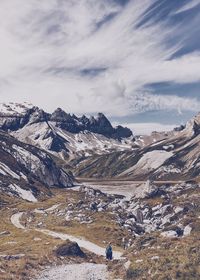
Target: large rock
148	190
70	249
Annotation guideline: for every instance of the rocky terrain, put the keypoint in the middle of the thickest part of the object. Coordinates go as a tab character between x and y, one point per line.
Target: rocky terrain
156	230
148	208
91	147
27	171
63	134
175	157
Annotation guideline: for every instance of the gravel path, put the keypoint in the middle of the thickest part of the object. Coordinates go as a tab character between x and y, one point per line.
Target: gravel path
15	220
82	243
84	271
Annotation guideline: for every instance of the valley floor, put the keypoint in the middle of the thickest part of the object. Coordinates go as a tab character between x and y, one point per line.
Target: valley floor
124	187
163	241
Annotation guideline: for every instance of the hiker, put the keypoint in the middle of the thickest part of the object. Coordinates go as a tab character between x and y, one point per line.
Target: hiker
124	243
109	252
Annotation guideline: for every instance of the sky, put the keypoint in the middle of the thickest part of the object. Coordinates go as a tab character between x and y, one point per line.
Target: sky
137	61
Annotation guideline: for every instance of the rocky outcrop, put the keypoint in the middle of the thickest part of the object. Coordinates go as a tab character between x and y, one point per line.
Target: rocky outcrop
69	249
100	124
24	168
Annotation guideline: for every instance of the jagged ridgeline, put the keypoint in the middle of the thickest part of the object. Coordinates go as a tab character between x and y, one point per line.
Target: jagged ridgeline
36	147
170	156
92	147
63	133
17	116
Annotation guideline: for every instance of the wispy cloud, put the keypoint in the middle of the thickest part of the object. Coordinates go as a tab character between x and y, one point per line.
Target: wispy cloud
188	6
89	56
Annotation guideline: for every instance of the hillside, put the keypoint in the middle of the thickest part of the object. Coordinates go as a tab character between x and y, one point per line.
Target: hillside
176	157
62	134
28	172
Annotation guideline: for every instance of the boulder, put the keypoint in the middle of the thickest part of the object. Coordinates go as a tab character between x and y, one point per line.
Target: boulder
93	206
149	190
187	230
170	233
69	249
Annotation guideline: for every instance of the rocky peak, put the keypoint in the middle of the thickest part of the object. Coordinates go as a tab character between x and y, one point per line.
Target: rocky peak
193	126
37	115
15	116
84	120
59	115
103	121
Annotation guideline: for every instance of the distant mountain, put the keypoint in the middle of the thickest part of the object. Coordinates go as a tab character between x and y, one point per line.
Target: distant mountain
15	116
28	172
91	147
63	134
176	156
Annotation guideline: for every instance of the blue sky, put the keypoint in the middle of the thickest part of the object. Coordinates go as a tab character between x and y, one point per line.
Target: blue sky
136	61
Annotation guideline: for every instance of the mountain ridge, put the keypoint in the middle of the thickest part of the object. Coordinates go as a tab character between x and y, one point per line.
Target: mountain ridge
15	116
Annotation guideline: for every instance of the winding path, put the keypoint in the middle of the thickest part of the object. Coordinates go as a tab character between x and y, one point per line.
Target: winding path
89	246
15	220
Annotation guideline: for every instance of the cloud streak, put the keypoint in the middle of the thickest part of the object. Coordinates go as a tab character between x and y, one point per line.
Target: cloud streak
188	6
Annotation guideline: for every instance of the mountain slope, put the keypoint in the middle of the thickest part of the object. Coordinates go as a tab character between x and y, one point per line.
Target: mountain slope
175	158
25	170
63	134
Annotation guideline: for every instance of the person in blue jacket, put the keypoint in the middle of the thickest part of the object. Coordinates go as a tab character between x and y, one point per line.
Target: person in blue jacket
109	253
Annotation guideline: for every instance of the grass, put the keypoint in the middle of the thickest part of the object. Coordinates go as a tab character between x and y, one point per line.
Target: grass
178	259
152	256
39	248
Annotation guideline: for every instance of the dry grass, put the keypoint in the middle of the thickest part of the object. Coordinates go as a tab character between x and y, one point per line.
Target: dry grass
165	258
39	248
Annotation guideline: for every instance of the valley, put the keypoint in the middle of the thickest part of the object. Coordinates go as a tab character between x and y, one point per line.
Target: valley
157	223
99	140
122	187
71	185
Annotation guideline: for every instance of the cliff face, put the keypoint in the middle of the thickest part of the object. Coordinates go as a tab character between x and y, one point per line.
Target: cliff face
25	168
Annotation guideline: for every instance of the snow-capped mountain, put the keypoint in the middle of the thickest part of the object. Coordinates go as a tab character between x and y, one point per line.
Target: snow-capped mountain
27	171
91	147
61	133
176	157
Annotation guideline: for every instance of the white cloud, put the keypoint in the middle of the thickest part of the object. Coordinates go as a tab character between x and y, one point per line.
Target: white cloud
48	48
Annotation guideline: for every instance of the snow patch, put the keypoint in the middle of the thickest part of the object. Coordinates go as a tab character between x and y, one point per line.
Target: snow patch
5	170
13	109
150	161
24	194
15	220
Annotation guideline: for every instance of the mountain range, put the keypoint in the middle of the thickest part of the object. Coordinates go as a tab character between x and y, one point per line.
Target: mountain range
39	149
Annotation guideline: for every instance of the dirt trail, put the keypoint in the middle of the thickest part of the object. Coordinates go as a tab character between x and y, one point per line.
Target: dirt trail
89	246
15	220
84	271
